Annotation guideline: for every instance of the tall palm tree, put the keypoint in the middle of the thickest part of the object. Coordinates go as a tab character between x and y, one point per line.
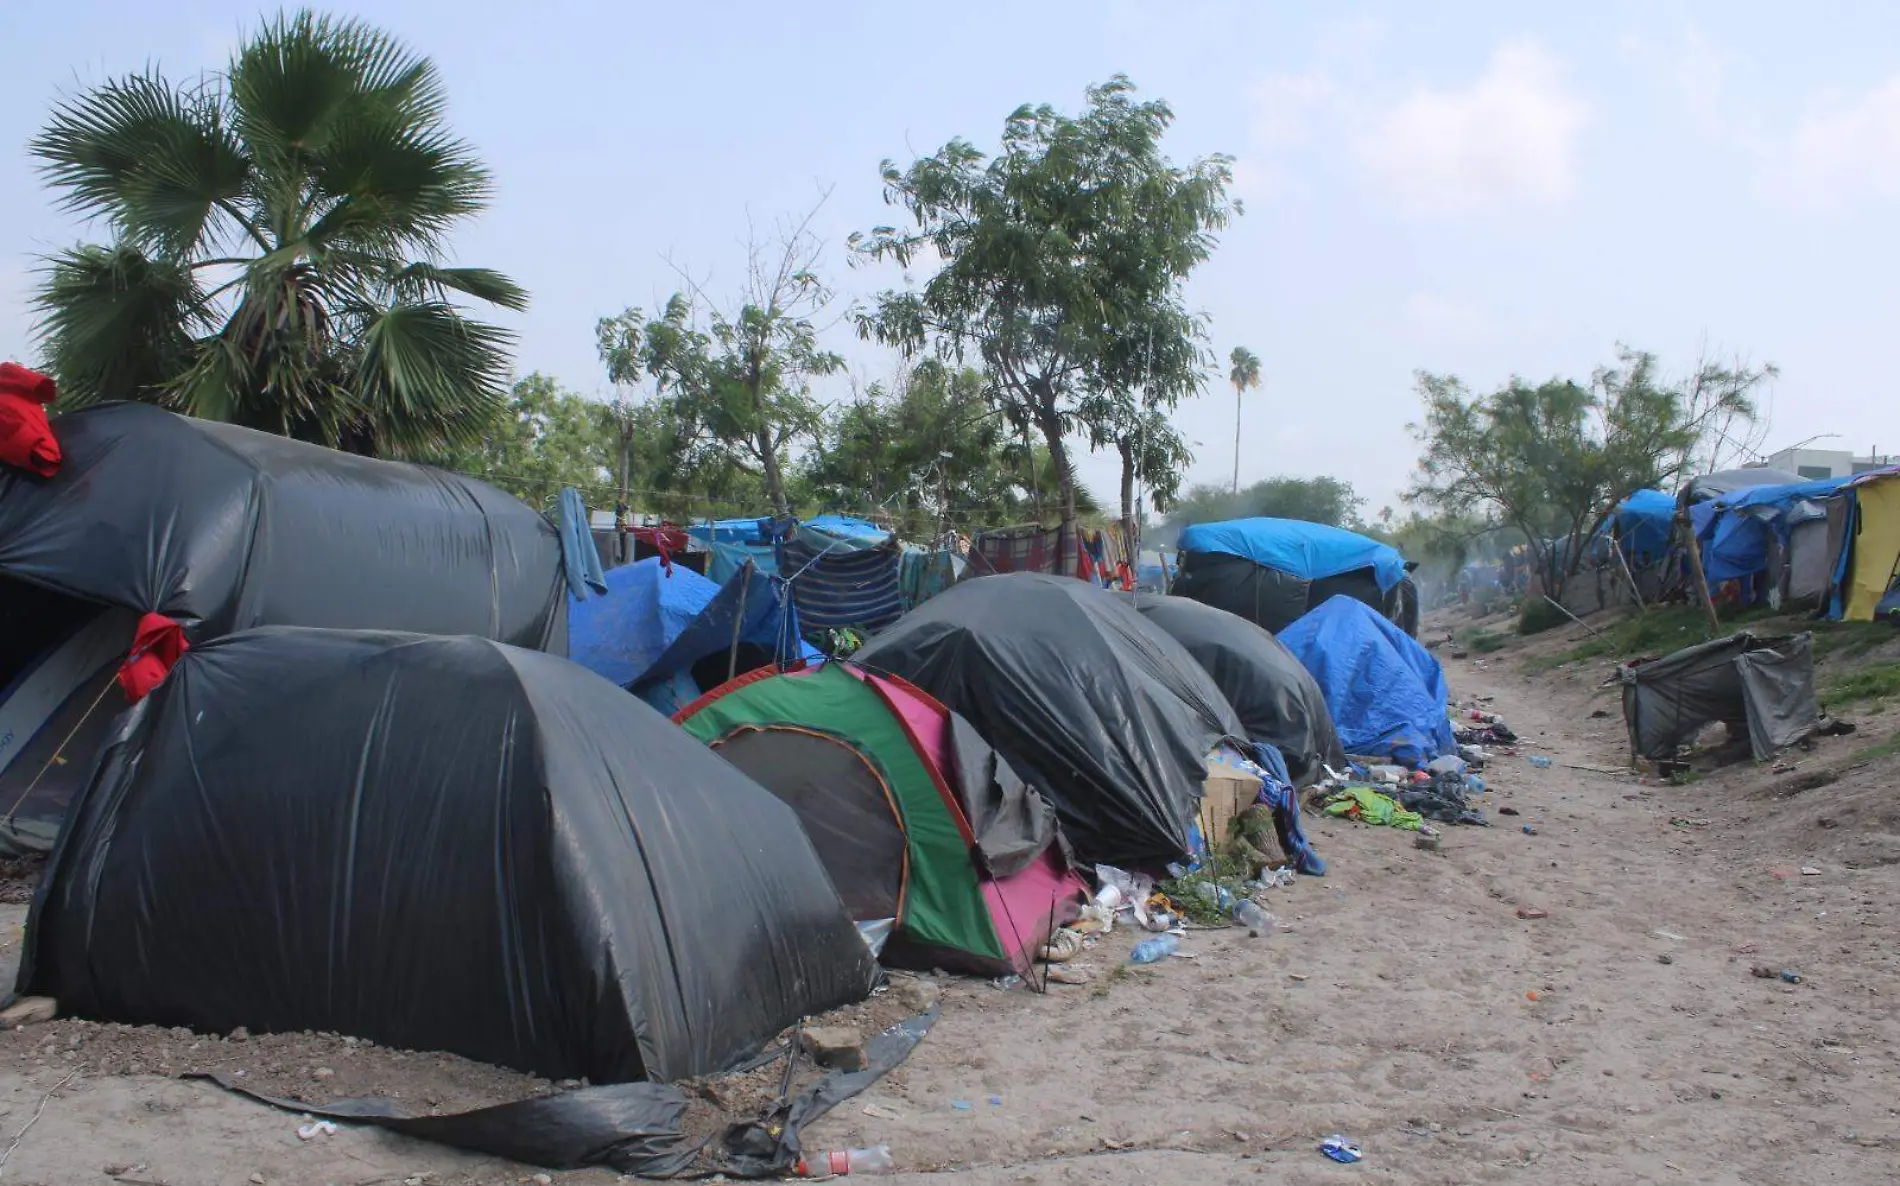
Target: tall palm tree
1245	374
278	234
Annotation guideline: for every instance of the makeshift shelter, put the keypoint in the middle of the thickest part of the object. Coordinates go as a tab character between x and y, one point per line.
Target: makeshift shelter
915	817
841	582
220	529
1387	693
1271	571
1643	525
1704	487
1762	685
436	844
1102	712
1275	697
666	633
1869	557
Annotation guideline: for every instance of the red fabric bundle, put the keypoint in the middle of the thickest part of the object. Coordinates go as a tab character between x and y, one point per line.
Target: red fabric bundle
26	439
158	645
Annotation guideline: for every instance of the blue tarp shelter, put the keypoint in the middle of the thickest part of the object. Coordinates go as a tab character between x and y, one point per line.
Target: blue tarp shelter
1310	551
846	527
1642	526
654	624
1387	693
731	531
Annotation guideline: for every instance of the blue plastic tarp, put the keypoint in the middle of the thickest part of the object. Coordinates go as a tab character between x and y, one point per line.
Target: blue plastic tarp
730	531
654	623
1642	524
1311	551
1387	693
846	527
1736	547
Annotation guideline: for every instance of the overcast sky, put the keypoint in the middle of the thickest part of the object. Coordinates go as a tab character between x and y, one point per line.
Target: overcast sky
1480	188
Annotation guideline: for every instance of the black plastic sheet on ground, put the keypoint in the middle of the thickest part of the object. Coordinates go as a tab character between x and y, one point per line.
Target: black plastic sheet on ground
630	1128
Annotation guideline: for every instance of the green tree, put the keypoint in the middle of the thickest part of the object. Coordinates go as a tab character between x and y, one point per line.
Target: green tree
1315	500
1553	460
547	437
1061	261
277	261
741	389
1243	372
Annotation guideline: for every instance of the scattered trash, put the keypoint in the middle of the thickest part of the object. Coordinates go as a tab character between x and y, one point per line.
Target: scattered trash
1064	974
1665	958
1340	1149
838	1162
1153	950
1682	821
1532	912
1005	983
960	1105
880	1112
1539	761
1791	976
316	1128
1507	810
1530	830
1810	871
1427	841
1671	935
996	1101
1062	947
1763	972
1257	921
1599	714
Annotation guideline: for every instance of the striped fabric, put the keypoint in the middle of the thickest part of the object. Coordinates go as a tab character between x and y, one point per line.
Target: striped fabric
835	588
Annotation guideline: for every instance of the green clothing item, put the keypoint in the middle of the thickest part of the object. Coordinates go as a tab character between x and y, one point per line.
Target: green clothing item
1369	806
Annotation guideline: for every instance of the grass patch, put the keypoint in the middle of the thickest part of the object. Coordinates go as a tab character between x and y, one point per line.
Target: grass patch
1198	891
1876	681
1846	640
1538	616
1480	641
1885	749
1683	778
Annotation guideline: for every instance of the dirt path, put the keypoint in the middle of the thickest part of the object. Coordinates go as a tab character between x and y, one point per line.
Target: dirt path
1397	1008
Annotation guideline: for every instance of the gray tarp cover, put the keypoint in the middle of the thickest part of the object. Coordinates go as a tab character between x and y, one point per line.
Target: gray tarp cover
1763	685
224	528
1276	697
436	844
1098	709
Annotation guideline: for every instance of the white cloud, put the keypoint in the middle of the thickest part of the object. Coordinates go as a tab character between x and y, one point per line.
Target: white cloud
1509	139
1846	151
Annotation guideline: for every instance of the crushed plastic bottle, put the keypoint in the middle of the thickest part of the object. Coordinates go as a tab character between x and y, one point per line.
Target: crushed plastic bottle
1154	950
1540	761
1257	921
875	1160
1475	784
1340	1149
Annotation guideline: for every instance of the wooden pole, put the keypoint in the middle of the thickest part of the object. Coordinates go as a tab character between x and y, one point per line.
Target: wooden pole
1622	561
1692	549
738	622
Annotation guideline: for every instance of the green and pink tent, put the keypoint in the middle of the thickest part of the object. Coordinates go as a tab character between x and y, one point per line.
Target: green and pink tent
913	815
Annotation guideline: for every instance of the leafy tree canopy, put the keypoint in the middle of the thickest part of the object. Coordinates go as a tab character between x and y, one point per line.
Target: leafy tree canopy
1315	500
279	231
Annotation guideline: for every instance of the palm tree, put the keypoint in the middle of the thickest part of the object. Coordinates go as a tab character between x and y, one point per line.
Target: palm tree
1245	374
278	246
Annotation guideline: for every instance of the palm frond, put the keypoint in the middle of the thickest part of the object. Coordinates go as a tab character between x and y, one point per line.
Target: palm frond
430	377
287	83
422	281
116	324
150	158
393	184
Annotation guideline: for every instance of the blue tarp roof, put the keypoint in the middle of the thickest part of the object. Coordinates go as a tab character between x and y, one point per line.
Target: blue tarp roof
1387	694
1642	523
1311	551
847	527
652	624
729	531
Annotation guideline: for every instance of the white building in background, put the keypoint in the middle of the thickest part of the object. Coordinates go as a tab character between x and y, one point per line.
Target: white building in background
1825	463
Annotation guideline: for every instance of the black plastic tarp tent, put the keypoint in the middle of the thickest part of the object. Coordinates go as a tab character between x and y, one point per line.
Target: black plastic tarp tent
222	529
1107	716
437	844
1275	696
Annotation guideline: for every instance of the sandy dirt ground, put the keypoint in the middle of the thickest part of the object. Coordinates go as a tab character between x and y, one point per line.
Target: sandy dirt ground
1405	1003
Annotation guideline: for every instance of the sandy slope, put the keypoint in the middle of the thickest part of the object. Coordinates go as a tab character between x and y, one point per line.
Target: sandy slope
1397	1008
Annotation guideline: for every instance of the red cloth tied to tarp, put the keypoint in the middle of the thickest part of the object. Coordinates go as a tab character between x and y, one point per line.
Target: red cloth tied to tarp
26	439
158	645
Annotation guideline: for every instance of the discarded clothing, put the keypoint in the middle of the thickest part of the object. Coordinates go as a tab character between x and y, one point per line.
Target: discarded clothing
1443	799
1370	807
1498	734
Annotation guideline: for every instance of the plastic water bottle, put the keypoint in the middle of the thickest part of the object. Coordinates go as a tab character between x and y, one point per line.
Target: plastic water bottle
1475	784
1257	921
875	1160
1541	762
1153	950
